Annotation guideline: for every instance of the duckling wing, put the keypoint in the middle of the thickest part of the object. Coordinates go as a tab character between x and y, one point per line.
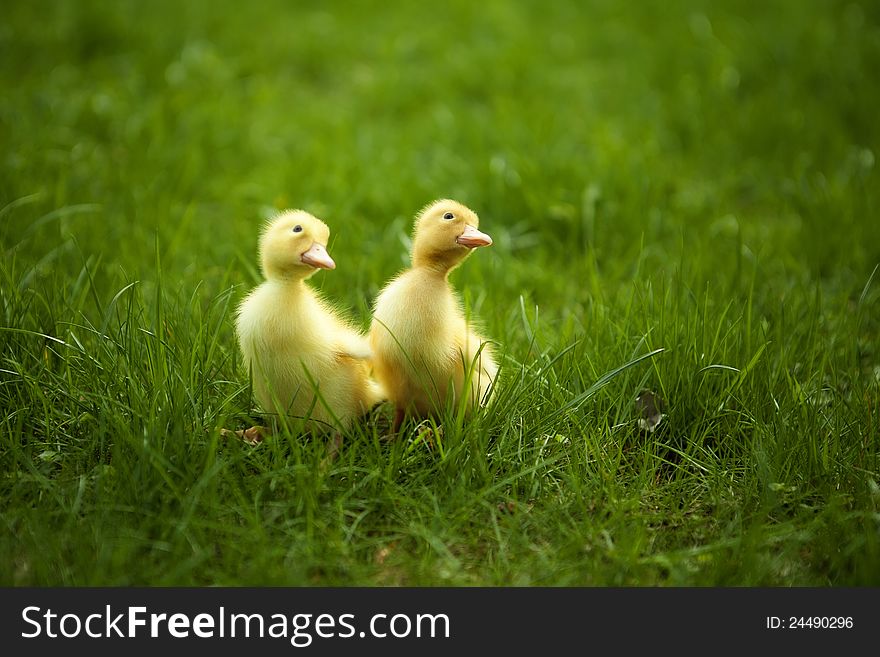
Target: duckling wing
354	345
337	335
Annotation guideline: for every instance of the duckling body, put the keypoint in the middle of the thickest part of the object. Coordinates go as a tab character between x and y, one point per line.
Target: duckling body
306	360
425	353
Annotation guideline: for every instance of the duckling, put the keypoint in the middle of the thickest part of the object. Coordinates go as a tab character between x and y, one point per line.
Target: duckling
306	361
424	351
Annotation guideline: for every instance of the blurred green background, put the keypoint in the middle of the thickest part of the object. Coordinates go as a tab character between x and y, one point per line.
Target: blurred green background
648	131
696	176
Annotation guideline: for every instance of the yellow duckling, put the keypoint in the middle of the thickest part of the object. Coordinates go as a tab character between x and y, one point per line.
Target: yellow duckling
424	352
304	358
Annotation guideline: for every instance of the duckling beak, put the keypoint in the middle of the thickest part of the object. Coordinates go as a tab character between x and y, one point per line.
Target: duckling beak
471	238
317	256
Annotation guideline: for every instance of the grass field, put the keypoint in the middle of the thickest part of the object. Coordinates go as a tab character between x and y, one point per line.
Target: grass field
696	178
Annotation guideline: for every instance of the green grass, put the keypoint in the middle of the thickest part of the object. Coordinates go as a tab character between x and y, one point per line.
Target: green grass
693	177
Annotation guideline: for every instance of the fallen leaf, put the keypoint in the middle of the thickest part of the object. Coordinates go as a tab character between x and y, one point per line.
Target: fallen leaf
426	434
383	553
650	407
507	507
252	436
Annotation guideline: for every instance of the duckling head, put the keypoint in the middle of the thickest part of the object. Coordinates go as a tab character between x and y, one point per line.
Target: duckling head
445	234
293	246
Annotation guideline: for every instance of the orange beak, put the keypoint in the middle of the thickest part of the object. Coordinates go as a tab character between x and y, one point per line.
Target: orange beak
317	256
471	238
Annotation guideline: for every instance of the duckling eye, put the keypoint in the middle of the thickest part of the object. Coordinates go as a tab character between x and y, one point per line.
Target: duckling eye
297	229
448	216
